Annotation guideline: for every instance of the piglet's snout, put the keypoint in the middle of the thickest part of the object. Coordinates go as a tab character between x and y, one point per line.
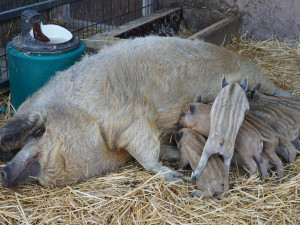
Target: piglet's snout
5	177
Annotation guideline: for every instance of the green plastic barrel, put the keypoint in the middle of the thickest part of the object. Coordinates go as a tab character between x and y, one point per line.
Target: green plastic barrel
29	72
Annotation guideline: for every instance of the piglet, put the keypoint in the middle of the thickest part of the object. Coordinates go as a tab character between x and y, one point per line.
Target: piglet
273	143
227	115
290	106
282	124
214	180
248	143
283	101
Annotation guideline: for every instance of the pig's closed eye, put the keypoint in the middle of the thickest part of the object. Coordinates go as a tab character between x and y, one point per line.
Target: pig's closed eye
39	132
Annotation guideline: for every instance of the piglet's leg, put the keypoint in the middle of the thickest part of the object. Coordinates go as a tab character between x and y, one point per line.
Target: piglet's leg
200	167
144	147
270	152
169	153
250	163
262	165
227	161
282	152
184	161
289	147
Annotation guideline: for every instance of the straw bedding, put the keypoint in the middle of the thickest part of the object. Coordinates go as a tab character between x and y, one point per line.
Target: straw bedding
132	196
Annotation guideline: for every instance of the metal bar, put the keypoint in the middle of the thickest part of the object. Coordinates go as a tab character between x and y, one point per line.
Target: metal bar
155	5
13	13
110	19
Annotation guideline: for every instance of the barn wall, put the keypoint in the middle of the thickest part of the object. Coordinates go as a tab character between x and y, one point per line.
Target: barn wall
262	18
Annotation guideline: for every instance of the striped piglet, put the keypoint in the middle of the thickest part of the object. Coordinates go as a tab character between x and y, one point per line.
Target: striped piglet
227	114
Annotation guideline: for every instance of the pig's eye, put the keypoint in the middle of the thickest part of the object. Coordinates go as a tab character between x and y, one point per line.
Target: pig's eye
39	132
183	114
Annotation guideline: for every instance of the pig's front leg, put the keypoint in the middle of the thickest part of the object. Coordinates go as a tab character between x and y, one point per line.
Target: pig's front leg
141	140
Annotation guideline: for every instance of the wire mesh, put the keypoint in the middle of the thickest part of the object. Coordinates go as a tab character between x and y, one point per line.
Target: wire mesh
83	18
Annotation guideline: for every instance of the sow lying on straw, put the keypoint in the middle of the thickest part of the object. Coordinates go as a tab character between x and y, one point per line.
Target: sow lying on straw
133	196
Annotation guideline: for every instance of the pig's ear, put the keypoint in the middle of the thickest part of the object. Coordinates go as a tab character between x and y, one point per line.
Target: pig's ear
15	133
224	82
256	87
244	84
219	137
197	99
178	136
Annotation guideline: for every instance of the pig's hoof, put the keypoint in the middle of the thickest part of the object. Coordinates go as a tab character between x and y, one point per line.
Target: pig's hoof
173	176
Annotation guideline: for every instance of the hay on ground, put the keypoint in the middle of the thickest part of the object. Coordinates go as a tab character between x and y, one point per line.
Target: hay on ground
132	196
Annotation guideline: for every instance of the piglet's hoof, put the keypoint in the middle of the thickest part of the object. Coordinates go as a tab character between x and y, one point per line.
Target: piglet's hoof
187	179
173	176
194	178
199	194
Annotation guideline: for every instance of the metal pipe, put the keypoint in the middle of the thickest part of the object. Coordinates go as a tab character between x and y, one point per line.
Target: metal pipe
155	5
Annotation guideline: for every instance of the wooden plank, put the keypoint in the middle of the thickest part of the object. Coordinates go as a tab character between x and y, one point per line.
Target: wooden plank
217	33
220	32
100	40
136	23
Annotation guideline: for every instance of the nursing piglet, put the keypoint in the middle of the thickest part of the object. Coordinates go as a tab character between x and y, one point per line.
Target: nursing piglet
214	180
281	123
227	115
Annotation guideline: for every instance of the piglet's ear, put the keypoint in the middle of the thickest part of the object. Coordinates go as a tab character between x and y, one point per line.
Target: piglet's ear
192	108
224	82
244	84
188	106
178	137
15	133
256	87
250	95
197	99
